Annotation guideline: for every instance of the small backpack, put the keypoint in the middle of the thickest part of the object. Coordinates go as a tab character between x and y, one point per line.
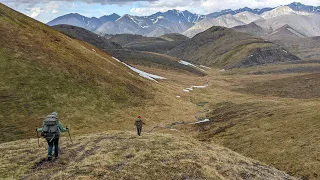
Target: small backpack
50	128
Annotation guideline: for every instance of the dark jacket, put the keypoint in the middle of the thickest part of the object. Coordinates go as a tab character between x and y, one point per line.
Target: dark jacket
139	123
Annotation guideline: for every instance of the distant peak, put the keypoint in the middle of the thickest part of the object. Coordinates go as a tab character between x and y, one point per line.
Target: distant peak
296	3
174	10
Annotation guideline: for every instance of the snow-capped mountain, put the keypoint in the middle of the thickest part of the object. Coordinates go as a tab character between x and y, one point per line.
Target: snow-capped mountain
227	20
172	21
177	16
308	25
233	12
175	21
282	10
296	6
303	21
247	17
110	18
78	20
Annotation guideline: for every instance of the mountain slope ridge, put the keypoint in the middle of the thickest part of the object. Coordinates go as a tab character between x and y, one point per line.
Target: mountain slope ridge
224	48
122	155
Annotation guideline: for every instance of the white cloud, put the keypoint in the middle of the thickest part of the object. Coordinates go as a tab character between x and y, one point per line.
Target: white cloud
165	5
209	6
36	11
54	11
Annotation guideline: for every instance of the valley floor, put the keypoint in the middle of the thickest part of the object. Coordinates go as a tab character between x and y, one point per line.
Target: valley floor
273	118
273	127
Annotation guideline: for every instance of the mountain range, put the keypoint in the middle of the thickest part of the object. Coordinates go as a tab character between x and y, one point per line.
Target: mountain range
304	22
183	22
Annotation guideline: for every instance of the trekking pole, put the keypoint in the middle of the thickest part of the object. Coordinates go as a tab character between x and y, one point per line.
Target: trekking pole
70	136
37	136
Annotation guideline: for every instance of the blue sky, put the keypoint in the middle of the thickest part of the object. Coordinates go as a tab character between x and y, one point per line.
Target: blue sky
46	10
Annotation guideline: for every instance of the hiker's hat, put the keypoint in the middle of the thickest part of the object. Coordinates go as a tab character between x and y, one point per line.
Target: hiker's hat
139	116
55	114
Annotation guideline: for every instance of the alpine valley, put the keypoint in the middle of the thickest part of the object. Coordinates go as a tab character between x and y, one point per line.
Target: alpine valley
233	94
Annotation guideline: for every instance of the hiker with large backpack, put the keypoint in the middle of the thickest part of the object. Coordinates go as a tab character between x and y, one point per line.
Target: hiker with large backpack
139	123
51	130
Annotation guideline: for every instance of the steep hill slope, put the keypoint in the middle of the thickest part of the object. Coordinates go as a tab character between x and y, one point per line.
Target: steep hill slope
78	20
43	70
308	25
306	48
252	29
284	32
225	21
154	44
174	37
135	42
225	48
87	36
123	155
155	60
247	17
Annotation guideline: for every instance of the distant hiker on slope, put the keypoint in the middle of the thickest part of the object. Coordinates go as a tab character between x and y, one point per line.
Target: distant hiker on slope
51	130
139	123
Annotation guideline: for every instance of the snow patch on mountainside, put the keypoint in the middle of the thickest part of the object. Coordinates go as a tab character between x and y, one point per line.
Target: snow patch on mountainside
194	87
189	64
141	73
201	121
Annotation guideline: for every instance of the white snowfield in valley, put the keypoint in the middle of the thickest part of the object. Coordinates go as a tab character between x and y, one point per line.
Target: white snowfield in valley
141	73
190	64
194	87
201	121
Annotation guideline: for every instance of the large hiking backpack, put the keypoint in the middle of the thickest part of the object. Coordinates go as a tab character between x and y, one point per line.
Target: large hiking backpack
50	128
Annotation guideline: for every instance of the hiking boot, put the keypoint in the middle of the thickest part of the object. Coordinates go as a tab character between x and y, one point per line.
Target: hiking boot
56	158
49	158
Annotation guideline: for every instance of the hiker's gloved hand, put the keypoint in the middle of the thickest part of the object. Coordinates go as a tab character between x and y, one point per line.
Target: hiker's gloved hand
36	129
67	129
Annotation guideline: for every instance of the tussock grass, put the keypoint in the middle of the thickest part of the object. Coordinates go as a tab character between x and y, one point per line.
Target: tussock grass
124	155
280	131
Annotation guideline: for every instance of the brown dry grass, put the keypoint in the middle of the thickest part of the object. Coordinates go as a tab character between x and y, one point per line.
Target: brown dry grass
123	155
282	132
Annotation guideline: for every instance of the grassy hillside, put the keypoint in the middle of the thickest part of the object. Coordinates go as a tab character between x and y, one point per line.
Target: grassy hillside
43	70
252	29
154	44
270	117
87	36
224	48
300	86
305	48
155	60
123	155
143	58
174	37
